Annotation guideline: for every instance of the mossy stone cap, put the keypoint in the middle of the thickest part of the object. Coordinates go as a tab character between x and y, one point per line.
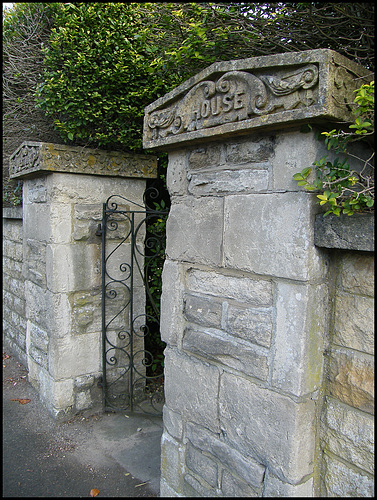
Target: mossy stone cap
31	158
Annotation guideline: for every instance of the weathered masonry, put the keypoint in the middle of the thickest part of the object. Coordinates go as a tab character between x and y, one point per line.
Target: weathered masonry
53	266
264	395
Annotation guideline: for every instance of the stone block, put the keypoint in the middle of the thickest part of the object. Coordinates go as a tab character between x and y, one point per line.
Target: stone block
203	311
34	264
86	312
243	466
251	324
343	480
89	189
172	463
74	356
257	148
172	321
37	223
166	490
195	488
354	322
12	250
83	400
294	151
205	157
8	299
176	175
201	465
301	323
272	234
48	310
12	213
215	345
194	231
50	222
19	306
35	190
357	273
17	287
33	372
351	378
84	382
37	337
229	181
16	319
73	267
349	433
38	355
344	232
274	487
173	422
256	292
232	487
191	388
8	230
12	269
261	423
58	394
60	222
86	219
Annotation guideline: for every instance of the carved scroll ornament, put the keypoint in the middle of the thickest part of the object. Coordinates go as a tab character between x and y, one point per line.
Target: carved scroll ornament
235	96
25	158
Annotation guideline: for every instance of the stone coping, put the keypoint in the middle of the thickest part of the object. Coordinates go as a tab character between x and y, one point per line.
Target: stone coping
32	158
12	212
235	97
355	232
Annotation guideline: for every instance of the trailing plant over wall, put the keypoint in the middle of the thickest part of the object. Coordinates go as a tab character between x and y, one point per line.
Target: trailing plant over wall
106	61
344	189
102	63
26	27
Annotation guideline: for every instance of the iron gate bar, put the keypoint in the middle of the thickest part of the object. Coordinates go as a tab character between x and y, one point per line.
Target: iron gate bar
109	209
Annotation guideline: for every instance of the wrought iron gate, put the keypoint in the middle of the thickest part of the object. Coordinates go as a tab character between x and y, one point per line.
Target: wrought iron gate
133	250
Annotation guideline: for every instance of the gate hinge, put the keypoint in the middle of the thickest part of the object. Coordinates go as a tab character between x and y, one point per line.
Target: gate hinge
99	230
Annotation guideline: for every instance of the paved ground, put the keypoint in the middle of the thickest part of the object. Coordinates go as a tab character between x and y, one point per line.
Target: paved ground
116	454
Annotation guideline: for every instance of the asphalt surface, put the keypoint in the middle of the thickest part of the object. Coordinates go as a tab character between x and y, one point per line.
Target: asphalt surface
114	453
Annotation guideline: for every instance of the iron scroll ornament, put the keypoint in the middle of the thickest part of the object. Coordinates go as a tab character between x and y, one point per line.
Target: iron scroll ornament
133	244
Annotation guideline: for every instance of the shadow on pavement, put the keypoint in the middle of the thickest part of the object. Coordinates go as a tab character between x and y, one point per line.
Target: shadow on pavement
117	454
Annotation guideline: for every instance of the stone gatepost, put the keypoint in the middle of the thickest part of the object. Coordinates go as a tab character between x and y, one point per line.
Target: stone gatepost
245	291
63	191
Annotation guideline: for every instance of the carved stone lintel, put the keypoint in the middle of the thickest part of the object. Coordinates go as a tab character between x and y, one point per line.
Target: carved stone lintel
236	96
33	157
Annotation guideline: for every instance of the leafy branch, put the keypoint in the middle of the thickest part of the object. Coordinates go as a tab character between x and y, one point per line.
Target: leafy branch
345	190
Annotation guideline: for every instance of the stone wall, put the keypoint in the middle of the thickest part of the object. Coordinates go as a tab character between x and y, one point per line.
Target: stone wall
246	301
347	421
242	320
63	193
14	321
